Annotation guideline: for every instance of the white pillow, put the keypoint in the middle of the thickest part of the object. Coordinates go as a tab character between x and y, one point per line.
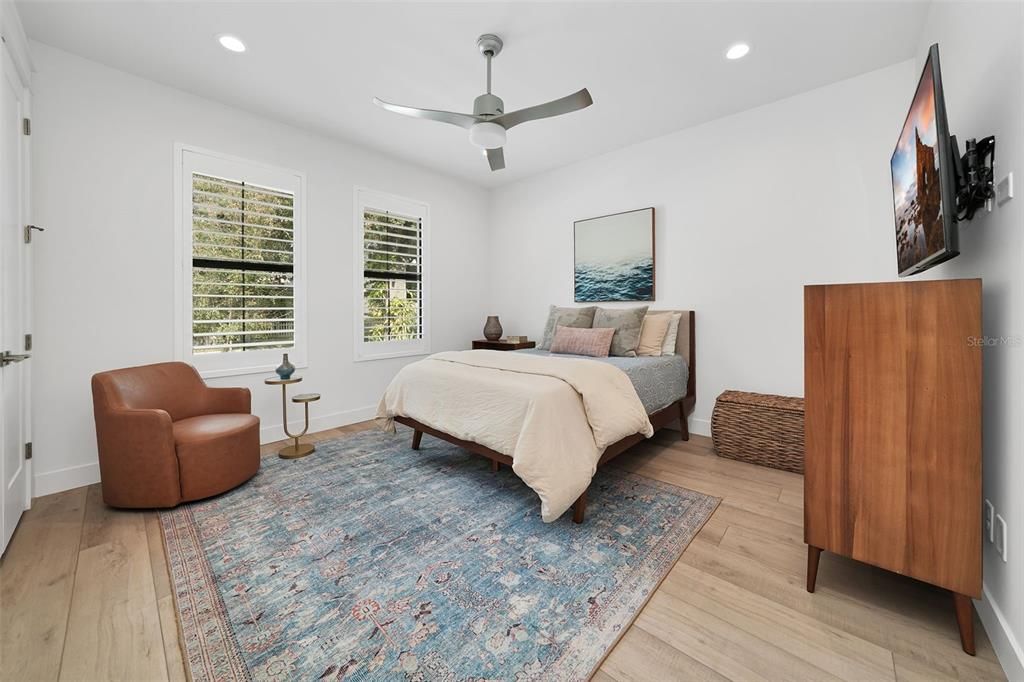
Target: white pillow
668	346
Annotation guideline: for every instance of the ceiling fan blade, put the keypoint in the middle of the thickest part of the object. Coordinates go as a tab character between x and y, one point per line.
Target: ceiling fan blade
455	119
496	157
565	105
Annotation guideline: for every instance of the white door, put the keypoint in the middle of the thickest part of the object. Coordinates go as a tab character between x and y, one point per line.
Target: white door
14	495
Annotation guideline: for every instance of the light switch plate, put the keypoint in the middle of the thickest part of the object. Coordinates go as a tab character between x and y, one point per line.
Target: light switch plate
1004	190
1001	536
990	521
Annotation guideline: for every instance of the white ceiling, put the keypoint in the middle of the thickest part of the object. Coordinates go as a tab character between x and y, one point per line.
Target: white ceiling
652	68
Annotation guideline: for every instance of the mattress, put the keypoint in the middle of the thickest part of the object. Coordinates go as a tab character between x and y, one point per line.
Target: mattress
659	382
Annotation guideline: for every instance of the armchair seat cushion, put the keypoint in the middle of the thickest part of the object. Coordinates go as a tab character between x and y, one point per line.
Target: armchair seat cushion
216	452
211	427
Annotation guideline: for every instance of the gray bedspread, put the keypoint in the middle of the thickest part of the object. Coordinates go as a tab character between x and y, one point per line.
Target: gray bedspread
659	382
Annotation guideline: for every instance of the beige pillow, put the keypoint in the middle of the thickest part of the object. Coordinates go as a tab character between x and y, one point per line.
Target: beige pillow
652	334
668	347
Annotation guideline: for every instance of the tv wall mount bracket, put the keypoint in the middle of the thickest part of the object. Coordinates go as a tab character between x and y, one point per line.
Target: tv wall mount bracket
974	173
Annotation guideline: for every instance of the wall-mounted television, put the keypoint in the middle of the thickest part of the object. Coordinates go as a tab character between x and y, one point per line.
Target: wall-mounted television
924	179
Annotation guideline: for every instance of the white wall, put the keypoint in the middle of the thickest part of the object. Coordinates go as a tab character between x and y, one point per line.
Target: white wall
103	188
748	209
983	74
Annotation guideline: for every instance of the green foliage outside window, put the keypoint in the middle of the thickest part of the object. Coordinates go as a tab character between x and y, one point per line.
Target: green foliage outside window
243	267
392	277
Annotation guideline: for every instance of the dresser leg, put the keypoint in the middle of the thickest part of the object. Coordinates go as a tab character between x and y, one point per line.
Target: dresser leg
965	621
813	555
417	436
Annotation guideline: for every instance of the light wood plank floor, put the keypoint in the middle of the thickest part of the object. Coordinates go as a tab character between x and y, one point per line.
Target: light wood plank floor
85	595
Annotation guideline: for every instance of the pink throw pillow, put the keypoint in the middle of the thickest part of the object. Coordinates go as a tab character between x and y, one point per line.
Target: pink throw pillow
576	341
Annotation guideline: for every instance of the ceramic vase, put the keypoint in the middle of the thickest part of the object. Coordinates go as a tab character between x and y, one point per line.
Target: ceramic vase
492	330
286	369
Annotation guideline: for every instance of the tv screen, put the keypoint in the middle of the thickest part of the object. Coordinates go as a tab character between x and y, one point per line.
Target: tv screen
922	179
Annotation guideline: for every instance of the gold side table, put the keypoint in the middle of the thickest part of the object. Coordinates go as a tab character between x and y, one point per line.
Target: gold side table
298	449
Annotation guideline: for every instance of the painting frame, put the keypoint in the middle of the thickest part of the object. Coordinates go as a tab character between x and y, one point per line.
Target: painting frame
642	231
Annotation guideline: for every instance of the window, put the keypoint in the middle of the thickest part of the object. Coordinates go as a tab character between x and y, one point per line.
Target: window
240	264
391	257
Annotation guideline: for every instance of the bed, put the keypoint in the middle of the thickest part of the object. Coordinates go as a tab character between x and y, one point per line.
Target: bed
662	388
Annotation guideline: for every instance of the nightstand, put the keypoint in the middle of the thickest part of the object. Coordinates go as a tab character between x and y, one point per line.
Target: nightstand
501	344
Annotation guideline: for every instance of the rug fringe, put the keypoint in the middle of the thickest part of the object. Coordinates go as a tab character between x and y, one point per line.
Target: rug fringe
174	597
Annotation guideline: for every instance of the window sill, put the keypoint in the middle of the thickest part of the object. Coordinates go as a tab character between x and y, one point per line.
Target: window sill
244	371
388	356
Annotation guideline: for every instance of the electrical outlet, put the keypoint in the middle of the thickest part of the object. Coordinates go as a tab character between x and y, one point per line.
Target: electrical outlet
990	521
1004	190
1000	524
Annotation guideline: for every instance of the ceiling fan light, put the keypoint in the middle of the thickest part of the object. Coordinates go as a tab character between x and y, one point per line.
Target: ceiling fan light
487	135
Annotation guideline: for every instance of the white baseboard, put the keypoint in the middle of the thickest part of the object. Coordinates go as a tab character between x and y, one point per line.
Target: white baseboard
1008	649
275	432
702	427
49	482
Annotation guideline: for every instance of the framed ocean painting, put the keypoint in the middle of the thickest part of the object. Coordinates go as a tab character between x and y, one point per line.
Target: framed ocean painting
614	257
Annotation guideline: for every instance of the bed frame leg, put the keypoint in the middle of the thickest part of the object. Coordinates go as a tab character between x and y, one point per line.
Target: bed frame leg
417	436
684	428
579	508
495	465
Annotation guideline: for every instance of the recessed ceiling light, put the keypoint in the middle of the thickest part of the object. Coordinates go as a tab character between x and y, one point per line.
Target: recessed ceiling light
231	43
737	51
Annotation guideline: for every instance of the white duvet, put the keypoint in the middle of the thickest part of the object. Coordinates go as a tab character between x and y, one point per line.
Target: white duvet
553	416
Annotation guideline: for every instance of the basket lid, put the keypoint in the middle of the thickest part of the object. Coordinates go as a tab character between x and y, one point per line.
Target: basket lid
778	402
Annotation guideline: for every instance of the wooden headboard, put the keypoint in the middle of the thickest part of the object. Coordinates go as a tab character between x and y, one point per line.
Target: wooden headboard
685	342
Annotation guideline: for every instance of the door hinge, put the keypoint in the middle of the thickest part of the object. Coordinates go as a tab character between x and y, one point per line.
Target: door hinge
28	450
28	342
26	126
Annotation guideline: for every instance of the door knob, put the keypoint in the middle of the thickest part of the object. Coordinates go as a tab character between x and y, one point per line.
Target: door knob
7	358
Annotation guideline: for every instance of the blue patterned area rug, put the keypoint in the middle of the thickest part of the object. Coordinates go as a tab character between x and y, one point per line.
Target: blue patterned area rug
368	560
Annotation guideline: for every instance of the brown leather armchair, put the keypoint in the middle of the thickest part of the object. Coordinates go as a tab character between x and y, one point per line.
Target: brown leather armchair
165	437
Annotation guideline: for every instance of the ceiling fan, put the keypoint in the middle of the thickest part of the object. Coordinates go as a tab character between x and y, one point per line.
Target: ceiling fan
488	122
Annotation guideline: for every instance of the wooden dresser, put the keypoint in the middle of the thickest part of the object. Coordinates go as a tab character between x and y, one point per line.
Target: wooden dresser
892	387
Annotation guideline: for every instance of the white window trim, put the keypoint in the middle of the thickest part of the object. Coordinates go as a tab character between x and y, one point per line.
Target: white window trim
188	158
368	198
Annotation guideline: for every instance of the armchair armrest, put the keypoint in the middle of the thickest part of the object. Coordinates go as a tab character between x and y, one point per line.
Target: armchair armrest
227	401
137	457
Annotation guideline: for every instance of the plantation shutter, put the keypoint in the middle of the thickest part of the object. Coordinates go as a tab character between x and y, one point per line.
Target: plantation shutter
392	277
243	238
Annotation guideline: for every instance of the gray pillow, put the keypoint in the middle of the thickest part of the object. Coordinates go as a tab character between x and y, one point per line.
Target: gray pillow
627	323
581	318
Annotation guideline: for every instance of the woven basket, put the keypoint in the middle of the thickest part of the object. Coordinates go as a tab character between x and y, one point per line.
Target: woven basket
760	429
